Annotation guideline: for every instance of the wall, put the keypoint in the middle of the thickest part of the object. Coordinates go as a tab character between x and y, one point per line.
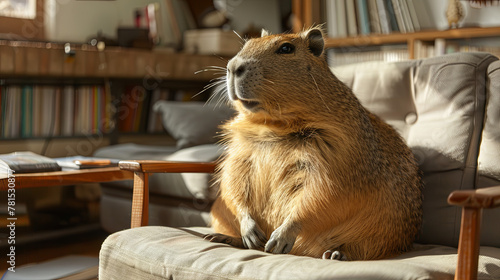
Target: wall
76	21
259	13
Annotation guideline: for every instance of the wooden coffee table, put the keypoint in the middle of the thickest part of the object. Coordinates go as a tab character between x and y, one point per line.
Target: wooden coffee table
64	178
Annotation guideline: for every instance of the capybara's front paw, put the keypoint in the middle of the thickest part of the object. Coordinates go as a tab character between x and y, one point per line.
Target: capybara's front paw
251	234
334	255
226	239
281	240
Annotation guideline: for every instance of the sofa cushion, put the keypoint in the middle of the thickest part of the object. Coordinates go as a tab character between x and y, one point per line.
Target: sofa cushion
168	253
437	105
131	151
192	123
489	154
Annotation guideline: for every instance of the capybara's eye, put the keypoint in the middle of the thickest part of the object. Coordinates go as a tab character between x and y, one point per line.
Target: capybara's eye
286	48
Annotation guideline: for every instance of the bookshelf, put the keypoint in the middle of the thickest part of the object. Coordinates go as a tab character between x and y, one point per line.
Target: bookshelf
411	38
308	13
96	79
86	78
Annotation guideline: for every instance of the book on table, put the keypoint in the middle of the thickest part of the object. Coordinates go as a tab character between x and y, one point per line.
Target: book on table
82	162
26	162
29	162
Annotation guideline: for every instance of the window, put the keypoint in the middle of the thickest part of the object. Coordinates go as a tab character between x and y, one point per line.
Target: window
22	19
18	8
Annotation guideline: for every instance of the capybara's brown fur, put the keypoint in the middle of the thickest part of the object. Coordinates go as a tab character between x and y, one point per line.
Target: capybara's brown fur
307	168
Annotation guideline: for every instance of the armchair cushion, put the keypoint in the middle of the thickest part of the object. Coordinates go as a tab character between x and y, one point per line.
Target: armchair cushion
489	154
192	123
168	253
438	106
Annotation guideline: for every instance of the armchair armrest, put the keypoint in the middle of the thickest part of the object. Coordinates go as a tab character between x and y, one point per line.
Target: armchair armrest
480	198
157	166
472	203
142	169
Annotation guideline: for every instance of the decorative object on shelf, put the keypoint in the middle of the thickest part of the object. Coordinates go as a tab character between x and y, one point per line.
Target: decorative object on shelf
478	4
131	37
211	41
214	18
455	13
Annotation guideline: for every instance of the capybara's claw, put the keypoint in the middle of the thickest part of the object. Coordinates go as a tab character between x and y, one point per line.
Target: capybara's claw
334	255
226	239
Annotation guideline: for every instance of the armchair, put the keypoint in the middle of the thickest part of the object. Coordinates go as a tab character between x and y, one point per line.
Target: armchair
471	201
447	109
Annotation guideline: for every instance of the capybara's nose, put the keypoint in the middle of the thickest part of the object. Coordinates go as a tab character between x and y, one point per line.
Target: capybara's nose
240	70
237	67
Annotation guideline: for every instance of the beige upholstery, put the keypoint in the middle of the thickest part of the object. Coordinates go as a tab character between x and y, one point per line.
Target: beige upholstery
437	105
169	253
440	106
489	155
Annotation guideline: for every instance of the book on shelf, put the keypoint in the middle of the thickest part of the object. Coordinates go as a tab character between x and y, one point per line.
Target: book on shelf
167	20
342	19
331	26
26	162
364	17
352	25
130	109
46	111
383	15
391	53
375	18
424	49
67	112
33	111
154	119
392	16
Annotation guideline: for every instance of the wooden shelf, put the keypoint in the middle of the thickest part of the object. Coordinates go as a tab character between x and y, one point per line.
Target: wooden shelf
48	60
404	38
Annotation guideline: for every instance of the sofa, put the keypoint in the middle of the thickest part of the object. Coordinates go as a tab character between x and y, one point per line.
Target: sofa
447	109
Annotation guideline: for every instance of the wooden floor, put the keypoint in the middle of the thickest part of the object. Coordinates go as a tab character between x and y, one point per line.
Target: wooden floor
87	244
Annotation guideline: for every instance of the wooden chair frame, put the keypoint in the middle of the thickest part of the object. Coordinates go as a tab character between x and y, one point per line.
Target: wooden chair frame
472	202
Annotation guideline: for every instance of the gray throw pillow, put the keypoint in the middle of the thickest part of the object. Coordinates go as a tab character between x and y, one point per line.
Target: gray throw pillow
192	123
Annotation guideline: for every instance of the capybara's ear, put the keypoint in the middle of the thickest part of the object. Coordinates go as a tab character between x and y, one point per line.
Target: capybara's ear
315	40
264	33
